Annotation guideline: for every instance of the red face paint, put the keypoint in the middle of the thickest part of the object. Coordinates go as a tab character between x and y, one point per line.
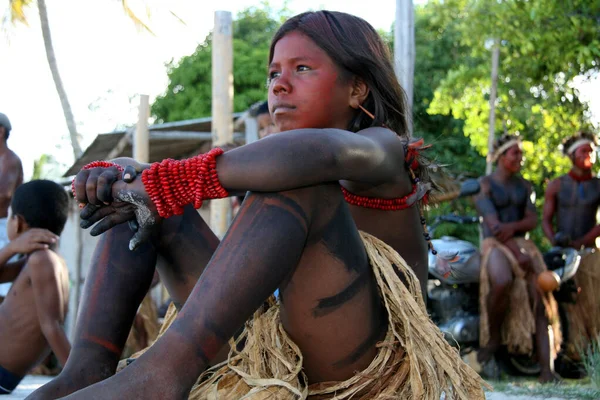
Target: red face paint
305	87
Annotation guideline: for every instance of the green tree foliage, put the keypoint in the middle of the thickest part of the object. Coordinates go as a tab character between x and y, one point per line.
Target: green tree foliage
439	50
38	166
47	167
544	45
189	92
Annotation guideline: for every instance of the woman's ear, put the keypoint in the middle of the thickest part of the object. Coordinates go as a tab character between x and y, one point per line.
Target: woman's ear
359	92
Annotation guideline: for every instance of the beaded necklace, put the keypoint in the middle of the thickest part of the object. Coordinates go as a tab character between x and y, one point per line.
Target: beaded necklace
411	151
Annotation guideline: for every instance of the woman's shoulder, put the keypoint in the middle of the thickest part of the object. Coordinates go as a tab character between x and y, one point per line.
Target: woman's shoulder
382	132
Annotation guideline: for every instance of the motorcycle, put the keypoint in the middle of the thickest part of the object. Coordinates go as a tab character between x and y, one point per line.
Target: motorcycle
453	287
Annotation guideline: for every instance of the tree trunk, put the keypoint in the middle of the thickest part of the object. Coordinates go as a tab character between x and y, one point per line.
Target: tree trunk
222	108
404	51
62	94
493	90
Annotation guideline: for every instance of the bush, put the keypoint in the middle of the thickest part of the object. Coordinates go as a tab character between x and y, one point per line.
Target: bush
590	358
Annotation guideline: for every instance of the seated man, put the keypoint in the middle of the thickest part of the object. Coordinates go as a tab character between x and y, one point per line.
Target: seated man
570	211
32	315
511	264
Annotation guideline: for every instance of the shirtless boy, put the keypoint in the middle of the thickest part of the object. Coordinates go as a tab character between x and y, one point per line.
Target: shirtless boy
32	315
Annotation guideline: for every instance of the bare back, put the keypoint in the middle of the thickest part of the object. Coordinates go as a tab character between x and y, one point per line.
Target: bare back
23	342
11	176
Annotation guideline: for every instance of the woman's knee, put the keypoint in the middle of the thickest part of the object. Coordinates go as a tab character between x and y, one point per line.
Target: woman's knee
309	198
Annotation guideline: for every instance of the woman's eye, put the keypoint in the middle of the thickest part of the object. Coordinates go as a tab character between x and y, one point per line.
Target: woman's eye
303	68
273	75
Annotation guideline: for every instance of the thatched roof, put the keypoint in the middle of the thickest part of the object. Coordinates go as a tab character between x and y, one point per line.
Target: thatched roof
169	140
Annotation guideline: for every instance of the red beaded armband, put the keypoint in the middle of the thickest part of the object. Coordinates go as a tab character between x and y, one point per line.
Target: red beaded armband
95	164
400	203
172	184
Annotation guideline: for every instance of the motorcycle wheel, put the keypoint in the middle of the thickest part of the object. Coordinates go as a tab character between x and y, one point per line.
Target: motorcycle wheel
564	366
523	365
517	365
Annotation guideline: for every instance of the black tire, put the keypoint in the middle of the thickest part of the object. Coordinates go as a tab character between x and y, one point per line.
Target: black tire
563	365
517	365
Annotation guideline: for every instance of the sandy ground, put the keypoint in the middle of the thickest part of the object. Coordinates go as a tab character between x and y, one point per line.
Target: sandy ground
32	382
503	396
27	385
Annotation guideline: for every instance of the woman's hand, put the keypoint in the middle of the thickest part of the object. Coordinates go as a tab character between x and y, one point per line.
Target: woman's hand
109	201
134	197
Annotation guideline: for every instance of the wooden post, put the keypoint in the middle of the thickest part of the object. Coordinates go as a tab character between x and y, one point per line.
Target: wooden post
141	140
222	107
141	152
78	274
251	129
404	51
493	90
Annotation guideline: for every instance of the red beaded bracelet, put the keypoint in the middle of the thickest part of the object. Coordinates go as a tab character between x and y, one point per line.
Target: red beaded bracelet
95	164
172	184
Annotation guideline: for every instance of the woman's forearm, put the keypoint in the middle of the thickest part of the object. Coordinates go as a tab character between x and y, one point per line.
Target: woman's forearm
300	158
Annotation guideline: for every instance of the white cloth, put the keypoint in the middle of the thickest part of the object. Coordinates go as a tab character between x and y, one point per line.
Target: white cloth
4	287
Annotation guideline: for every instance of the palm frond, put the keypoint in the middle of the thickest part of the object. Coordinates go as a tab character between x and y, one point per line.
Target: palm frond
178	18
136	20
17	11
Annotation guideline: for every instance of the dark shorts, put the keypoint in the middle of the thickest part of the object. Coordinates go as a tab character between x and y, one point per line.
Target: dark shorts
8	381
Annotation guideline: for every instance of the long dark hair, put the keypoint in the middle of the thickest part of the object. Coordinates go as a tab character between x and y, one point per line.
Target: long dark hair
358	50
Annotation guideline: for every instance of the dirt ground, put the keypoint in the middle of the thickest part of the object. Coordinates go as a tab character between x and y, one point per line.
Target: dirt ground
504	396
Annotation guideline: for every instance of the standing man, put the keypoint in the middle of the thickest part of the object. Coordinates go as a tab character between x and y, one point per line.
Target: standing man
570	220
11	176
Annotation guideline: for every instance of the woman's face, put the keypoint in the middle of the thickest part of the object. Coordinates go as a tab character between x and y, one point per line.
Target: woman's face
584	157
512	159
305	87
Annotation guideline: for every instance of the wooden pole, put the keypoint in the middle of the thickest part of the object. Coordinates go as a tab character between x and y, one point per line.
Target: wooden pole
404	51
78	273
251	129
222	107
141	152
493	91
141	141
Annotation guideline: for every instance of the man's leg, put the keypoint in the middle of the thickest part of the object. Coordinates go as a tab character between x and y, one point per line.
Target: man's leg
501	278
116	284
542	336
